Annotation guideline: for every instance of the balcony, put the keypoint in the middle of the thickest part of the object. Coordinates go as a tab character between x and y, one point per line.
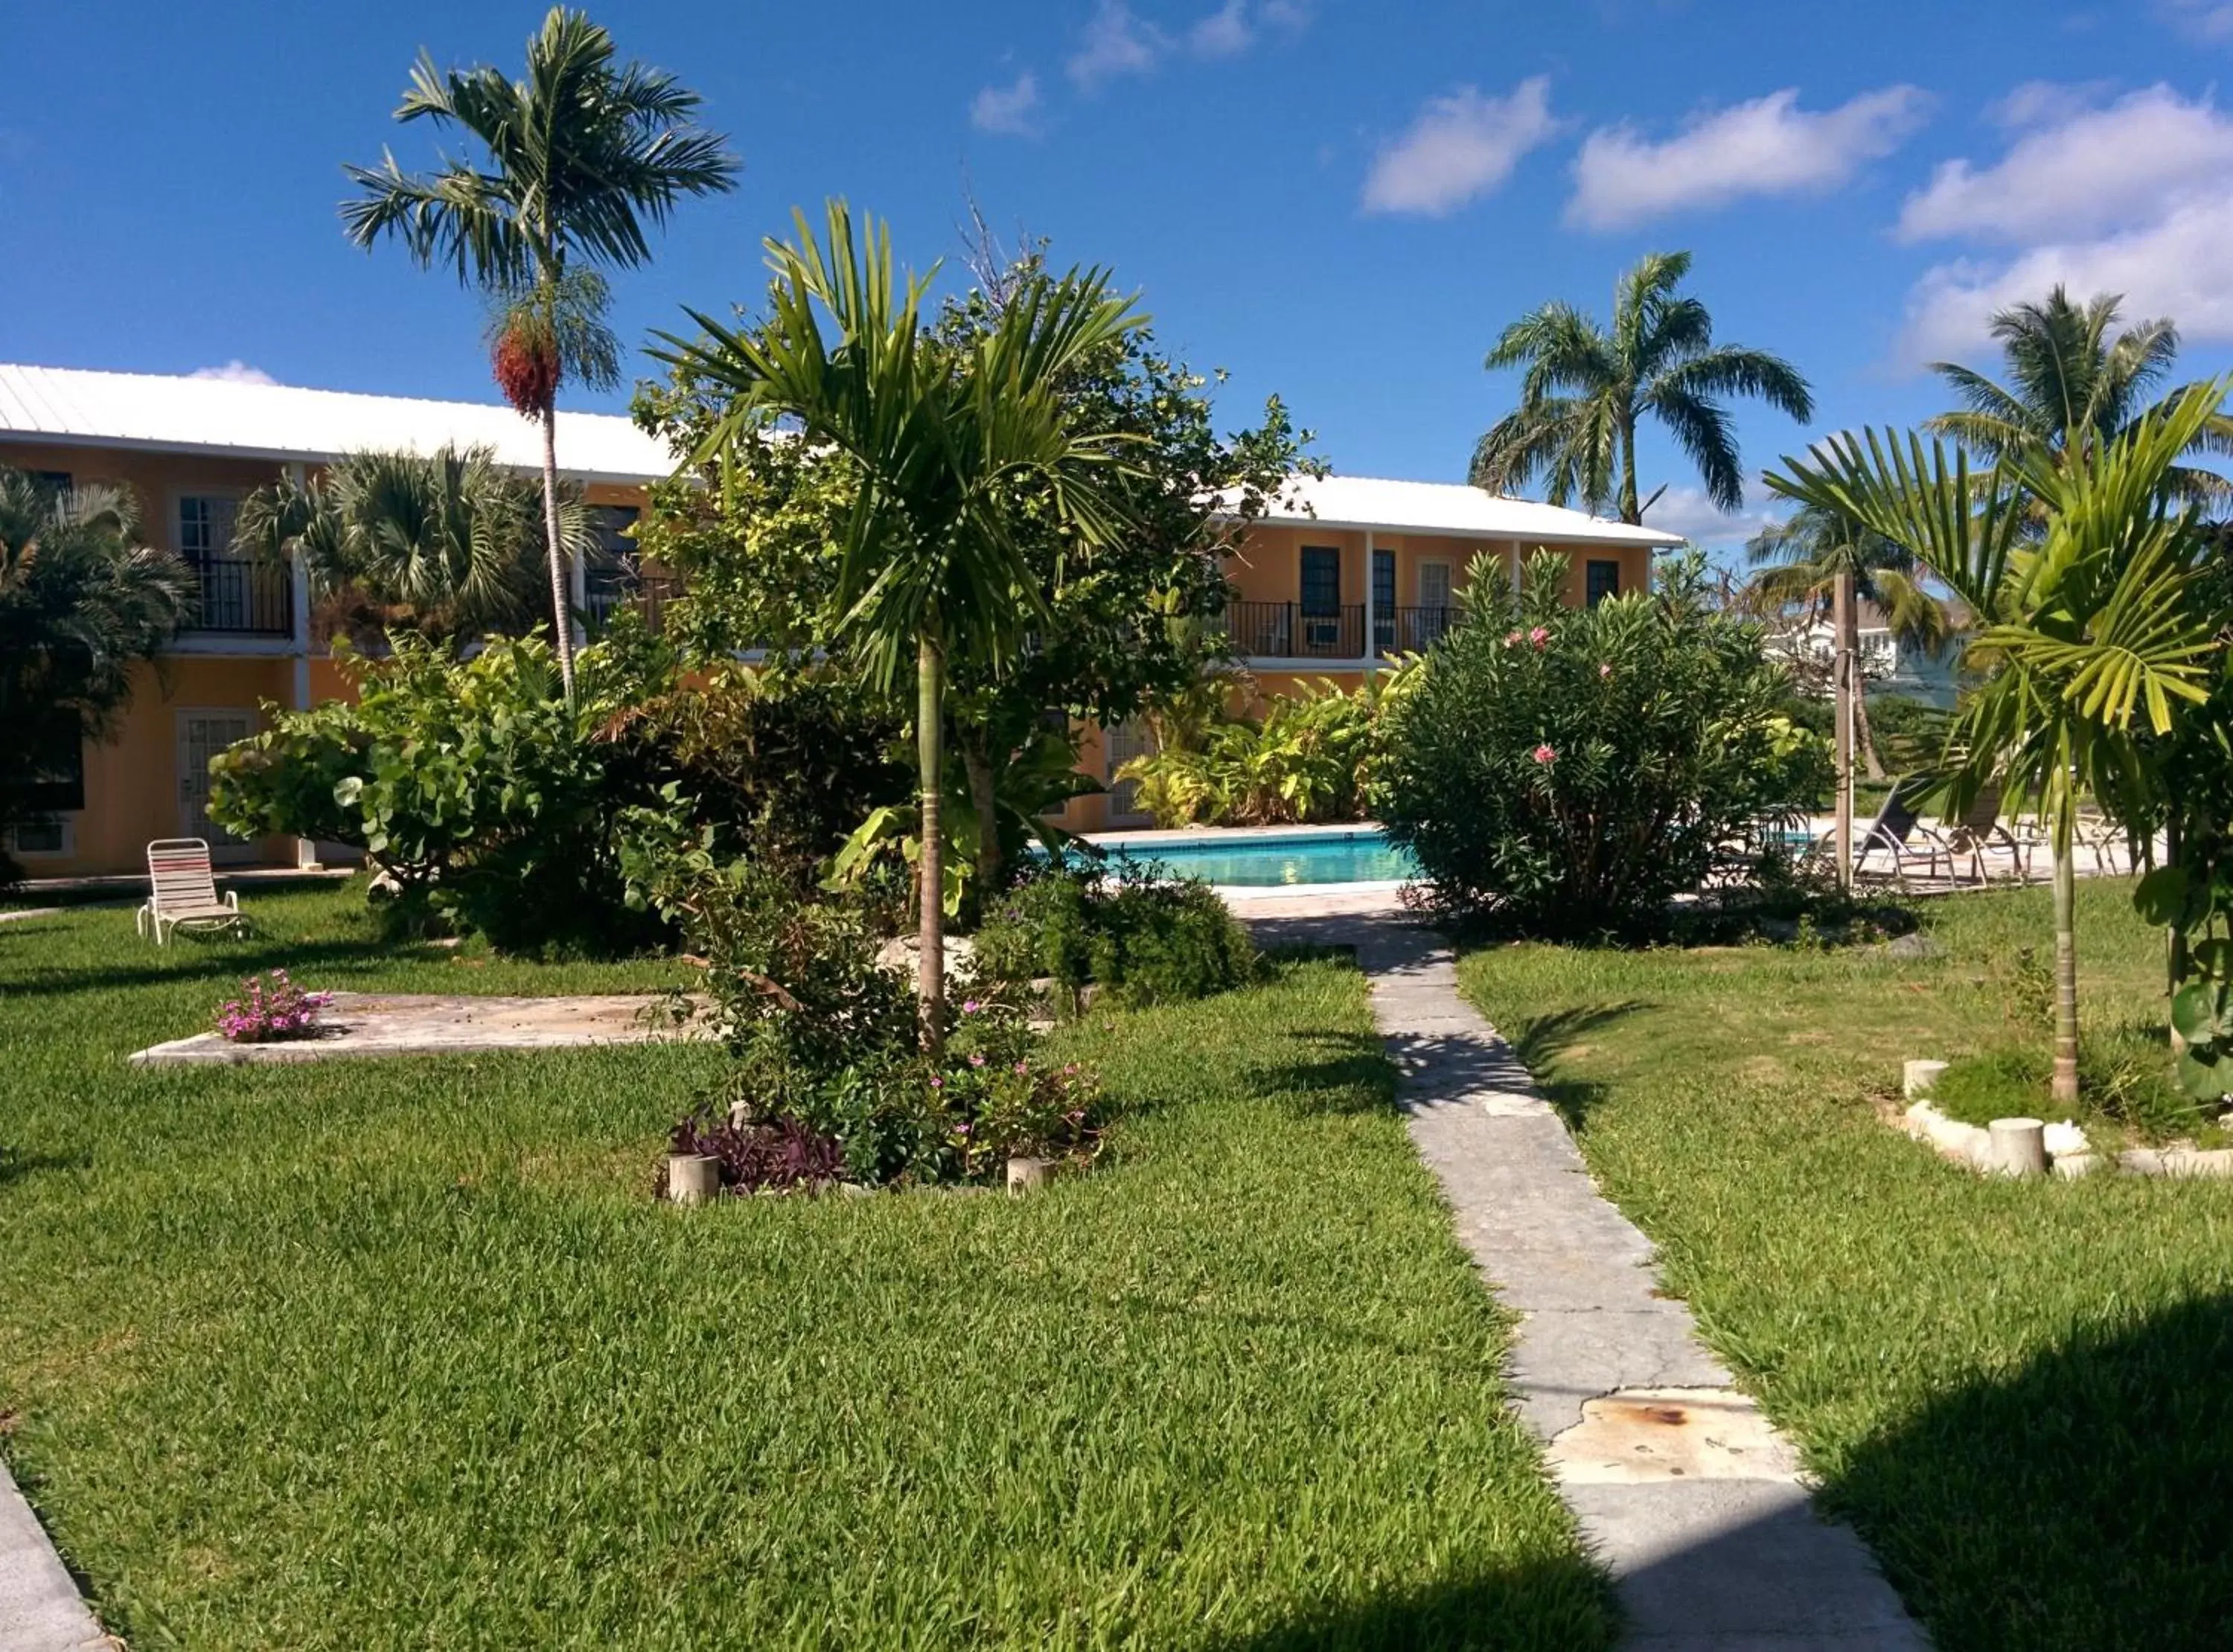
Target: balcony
242	596
1289	631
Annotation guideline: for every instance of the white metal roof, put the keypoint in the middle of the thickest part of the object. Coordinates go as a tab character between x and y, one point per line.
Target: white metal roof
1364	502
276	422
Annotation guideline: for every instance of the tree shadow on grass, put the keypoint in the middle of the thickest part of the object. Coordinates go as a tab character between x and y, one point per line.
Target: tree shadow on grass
1540	1041
1335	1073
1547	1601
20	1166
236	961
2083	1499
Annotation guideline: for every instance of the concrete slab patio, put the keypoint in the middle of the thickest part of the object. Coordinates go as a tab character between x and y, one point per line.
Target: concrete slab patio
1680	1485
410	1024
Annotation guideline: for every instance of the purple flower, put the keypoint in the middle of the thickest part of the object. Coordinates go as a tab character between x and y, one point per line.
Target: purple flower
970	1006
937	1083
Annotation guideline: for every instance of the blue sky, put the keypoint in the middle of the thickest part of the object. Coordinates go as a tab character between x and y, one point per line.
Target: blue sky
1339	201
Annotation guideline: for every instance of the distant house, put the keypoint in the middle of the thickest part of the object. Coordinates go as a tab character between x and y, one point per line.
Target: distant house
1888	666
1341	572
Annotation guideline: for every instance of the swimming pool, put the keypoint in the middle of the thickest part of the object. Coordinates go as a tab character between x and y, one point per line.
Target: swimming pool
1269	860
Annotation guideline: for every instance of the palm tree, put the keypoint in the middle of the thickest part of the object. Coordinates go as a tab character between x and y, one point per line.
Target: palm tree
1800	561
1585	390
2072	387
944	435
83	601
2086	574
581	156
445	544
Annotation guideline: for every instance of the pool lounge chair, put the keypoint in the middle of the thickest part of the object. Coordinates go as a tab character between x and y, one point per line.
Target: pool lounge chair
182	893
1899	835
1980	833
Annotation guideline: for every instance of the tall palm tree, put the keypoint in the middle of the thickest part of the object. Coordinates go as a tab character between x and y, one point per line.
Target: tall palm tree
581	158
2086	575
945	436
2073	385
1585	389
1799	561
446	544
83	601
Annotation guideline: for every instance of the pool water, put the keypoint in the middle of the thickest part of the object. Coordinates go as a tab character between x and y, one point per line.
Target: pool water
1238	859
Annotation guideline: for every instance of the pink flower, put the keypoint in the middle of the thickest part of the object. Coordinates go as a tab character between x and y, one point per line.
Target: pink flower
1023	1066
937	1083
970	1006
1604	671
1539	636
962	1129
1512	639
976	1058
1545	754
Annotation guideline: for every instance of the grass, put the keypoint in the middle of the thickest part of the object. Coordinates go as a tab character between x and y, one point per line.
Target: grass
401	1354
2018	1392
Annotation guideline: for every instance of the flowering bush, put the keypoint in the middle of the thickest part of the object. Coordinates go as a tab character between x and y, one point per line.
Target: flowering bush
1568	771
999	1101
265	1014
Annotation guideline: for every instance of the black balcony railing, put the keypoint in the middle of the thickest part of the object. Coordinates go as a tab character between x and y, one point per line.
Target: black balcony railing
1410	630
1290	631
242	596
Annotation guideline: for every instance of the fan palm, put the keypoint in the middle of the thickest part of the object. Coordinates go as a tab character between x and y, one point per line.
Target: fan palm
1585	390
1800	561
2073	386
445	544
2086	574
83	601
581	158
944	436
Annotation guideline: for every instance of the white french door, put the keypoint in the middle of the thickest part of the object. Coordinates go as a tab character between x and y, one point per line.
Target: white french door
202	735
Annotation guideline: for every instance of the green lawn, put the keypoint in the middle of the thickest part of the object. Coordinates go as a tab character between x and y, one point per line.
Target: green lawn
402	1354
2022	1394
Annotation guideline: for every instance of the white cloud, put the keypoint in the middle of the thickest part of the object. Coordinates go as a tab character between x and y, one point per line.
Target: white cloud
2134	198
234	372
1007	108
2208	20
1117	43
1687	511
1459	148
1225	32
2172	267
2036	102
1767	147
2093	169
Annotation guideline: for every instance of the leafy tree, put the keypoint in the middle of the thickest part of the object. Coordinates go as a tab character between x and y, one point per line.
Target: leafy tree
1799	561
580	159
1131	625
446	545
2096	630
2071	388
81	602
1585	388
943	437
1568	772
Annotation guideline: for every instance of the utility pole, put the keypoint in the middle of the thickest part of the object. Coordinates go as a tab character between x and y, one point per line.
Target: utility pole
1841	673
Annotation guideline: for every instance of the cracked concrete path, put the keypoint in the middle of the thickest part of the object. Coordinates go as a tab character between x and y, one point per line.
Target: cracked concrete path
419	1023
1679	1484
40	1609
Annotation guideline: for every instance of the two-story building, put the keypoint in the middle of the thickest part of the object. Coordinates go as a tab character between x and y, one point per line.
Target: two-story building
1344	572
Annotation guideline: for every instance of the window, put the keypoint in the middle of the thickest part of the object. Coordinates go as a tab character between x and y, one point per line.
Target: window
53	481
39	837
56	782
611	573
1321	579
205	526
1383	599
1433	585
1603	579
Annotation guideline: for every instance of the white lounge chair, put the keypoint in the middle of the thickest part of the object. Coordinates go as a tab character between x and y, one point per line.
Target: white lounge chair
182	893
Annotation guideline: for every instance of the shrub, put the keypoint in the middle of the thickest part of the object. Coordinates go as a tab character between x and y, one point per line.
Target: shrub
1307	760
778	1157
267	1015
1570	771
1143	938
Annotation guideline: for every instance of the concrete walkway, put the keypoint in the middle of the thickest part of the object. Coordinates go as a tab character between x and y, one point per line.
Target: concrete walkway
426	1024
40	1611
1679	1484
